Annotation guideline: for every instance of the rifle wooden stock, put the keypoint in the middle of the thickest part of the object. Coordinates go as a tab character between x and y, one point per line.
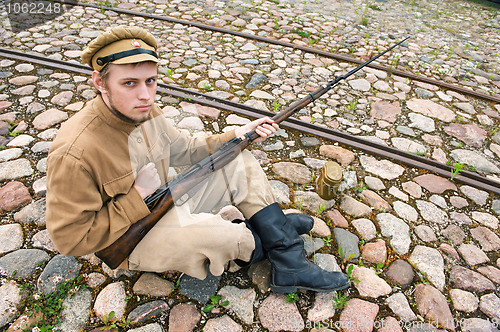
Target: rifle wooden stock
119	250
164	198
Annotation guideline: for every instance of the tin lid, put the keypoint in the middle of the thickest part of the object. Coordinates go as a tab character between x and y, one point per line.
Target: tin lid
332	173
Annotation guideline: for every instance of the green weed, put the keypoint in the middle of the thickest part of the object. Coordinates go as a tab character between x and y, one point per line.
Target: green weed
419	153
348	258
320	209
328	240
422	276
276	106
111	324
374	7
340	300
292	297
362	186
207	86
395	60
215	302
104	4
457	168
352	105
350	268
299	204
169	73
50	305
302	33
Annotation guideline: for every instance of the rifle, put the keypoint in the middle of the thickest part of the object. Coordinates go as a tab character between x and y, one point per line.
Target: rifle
162	199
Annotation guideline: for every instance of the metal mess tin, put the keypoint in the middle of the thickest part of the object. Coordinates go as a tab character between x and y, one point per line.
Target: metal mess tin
329	180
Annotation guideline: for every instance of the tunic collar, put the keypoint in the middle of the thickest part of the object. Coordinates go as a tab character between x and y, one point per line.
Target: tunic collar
105	113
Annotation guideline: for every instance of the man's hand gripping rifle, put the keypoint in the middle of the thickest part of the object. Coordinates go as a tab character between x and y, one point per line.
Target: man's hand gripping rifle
162	200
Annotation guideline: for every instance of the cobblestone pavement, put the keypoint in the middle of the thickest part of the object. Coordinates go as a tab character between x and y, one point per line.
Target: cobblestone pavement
421	249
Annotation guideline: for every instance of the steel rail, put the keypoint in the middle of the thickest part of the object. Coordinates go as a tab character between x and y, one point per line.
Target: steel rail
491	98
360	143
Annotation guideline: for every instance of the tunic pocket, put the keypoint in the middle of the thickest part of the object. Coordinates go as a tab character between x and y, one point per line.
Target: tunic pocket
120	185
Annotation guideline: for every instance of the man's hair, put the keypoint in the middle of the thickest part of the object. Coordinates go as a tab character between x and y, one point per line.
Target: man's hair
104	73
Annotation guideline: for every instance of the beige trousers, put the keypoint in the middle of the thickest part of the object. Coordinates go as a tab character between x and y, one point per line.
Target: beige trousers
192	239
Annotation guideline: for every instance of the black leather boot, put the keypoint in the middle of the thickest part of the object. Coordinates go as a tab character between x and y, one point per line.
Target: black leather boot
258	253
302	223
290	269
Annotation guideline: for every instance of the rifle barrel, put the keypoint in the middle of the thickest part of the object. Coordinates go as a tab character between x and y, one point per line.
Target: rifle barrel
364	64
320	91
164	197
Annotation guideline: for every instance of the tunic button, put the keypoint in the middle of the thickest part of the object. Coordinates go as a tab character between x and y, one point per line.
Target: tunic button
139	140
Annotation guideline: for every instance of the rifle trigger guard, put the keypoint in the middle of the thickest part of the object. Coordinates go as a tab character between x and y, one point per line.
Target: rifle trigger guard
312	97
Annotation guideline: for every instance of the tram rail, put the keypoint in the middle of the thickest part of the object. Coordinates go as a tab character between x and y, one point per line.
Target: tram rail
373	148
339	57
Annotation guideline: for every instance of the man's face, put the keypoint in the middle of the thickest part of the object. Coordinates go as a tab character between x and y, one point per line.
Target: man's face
129	90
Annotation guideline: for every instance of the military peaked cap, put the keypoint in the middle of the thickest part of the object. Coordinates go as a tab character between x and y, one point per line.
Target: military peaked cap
120	45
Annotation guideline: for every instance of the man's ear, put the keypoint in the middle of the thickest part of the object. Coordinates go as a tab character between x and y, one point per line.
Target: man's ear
98	82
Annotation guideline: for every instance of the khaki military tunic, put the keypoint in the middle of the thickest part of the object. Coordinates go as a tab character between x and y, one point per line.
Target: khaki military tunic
91	200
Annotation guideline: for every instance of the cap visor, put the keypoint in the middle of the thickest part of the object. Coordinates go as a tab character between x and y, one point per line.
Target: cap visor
136	58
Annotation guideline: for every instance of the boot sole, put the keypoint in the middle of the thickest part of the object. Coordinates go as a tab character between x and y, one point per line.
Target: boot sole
293	289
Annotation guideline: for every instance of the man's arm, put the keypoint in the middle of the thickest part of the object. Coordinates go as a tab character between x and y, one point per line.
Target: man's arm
78	221
187	150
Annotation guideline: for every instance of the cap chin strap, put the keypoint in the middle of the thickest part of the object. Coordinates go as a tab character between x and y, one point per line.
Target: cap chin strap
101	61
